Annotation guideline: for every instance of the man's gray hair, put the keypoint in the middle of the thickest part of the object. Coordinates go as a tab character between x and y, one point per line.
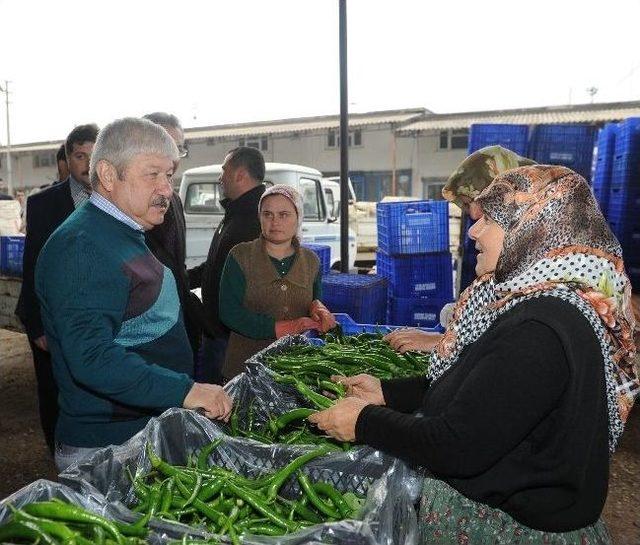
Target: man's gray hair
168	121
120	141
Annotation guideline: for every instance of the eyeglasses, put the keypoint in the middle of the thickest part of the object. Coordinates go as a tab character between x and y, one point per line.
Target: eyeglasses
182	151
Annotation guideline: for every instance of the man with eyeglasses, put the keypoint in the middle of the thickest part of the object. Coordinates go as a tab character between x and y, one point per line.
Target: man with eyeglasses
167	241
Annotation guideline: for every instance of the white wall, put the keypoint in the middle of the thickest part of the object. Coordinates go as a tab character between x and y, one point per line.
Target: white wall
420	154
23	173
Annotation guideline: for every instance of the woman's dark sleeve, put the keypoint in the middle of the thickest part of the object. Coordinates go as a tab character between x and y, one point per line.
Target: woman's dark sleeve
404	394
503	398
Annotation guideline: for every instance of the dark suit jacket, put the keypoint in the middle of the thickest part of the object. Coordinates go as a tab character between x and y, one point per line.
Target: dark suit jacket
240	224
46	211
167	242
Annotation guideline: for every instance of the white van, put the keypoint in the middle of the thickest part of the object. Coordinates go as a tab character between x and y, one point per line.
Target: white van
200	195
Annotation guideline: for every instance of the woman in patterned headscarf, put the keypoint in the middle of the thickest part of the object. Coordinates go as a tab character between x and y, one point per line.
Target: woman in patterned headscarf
529	389
475	173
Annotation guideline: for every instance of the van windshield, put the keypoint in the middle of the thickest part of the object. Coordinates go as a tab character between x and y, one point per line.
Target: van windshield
203	198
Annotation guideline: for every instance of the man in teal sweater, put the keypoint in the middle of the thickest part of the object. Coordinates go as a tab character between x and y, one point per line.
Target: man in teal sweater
110	309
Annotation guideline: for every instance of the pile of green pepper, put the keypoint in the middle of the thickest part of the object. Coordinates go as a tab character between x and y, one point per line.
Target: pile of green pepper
56	522
308	368
227	503
348	356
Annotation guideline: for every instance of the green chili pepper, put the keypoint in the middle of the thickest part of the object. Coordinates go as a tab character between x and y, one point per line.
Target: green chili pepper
279	478
52	528
205	452
261	506
71	513
330	492
296	414
316	500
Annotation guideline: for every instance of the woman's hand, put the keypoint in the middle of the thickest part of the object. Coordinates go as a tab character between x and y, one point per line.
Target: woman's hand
340	420
321	314
364	387
410	340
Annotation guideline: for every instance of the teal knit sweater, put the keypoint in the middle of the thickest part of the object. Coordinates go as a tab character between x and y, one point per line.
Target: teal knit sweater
114	327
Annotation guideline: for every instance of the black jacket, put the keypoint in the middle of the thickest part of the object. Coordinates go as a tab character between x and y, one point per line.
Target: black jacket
167	242
518	423
240	224
46	211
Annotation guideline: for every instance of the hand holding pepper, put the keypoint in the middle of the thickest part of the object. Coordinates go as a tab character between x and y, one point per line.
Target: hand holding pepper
340	420
410	340
320	313
362	386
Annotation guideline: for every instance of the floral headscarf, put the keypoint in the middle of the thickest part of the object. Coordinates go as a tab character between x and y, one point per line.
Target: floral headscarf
477	171
557	243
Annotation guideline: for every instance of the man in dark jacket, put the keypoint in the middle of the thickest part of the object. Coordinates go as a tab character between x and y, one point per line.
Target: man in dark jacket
167	241
46	211
242	185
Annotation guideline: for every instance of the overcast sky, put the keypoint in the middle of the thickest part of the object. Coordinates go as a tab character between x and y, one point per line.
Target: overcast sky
227	61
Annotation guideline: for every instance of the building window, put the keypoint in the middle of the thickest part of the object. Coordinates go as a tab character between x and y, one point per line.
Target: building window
44	159
444	139
333	138
254	142
432	188
460	139
454	139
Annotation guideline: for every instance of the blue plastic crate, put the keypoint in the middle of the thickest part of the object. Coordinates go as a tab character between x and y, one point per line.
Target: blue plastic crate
417	275
11	254
622	196
568	145
603	162
626	167
351	327
362	296
324	255
628	136
513	137
413	227
416	312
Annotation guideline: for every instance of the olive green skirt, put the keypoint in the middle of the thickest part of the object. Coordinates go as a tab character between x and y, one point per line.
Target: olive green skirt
447	517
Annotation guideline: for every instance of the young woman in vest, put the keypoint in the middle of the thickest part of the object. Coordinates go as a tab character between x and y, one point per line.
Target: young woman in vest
271	286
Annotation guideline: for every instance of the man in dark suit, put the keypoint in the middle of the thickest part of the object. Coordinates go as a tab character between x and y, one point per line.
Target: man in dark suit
242	183
167	241
46	211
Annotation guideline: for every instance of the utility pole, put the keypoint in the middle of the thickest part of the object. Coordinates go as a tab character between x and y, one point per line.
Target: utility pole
344	141
8	148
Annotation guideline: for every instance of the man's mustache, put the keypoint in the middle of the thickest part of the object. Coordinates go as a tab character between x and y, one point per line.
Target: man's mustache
160	201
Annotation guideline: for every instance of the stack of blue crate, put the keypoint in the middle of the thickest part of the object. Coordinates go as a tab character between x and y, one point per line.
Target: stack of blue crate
11	254
570	145
361	296
413	255
603	164
513	137
624	195
324	255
